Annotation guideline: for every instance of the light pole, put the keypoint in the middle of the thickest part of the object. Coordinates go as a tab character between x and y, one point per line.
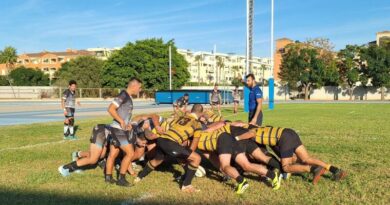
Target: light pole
170	68
271	79
249	35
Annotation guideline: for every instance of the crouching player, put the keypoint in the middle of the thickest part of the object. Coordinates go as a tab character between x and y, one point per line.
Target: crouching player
97	150
294	156
220	141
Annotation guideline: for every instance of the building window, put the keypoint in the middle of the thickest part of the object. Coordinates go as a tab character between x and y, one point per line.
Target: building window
46	60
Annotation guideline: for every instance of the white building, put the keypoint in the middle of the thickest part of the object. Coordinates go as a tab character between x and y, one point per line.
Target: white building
103	53
205	67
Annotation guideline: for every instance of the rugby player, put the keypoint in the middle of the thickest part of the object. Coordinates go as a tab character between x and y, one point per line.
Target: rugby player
218	139
97	150
68	105
216	99
180	105
174	143
294	157
121	110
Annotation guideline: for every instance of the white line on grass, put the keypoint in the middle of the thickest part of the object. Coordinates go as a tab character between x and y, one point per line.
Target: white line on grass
34	145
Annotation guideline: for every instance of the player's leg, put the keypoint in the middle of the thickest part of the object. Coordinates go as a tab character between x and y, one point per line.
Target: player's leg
128	150
151	165
66	128
254	151
219	108
71	123
112	155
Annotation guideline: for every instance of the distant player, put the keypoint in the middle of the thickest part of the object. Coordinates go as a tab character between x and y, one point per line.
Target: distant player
68	104
180	105
216	99
255	116
236	99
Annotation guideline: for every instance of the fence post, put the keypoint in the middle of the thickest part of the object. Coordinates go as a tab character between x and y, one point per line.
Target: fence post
59	94
100	93
81	93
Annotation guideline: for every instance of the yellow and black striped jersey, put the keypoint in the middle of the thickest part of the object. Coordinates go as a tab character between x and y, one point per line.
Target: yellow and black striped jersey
208	140
165	124
182	128
212	117
268	135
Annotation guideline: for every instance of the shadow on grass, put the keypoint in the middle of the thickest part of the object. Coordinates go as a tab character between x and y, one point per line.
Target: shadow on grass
26	197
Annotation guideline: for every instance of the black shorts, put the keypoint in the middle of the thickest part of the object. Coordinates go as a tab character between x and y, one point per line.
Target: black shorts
236	101
215	103
122	137
70	112
98	136
225	144
238	148
173	149
288	143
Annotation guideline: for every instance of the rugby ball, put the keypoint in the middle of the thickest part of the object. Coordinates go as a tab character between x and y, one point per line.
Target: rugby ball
200	172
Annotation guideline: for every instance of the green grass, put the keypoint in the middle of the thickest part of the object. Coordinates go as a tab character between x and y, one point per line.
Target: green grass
353	136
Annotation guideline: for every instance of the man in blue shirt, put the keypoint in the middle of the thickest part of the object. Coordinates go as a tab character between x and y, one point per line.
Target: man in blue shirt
255	116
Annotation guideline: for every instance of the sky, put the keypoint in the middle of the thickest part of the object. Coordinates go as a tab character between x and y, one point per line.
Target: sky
198	25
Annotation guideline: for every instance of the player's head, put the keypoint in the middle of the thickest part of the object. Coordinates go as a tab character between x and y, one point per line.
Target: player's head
216	87
250	80
197	109
72	85
236	87
134	85
186	96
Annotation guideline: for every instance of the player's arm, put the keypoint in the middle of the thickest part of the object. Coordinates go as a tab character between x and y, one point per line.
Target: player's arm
247	135
112	110
194	143
214	126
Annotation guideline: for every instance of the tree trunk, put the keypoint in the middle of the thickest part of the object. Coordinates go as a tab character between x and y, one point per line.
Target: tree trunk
350	92
307	92
382	93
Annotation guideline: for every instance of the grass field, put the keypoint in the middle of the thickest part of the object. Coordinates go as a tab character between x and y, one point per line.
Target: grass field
355	137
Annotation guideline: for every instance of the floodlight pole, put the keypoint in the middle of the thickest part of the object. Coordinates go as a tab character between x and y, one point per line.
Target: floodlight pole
271	84
170	68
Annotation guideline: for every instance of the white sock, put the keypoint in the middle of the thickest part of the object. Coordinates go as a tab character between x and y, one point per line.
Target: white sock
66	127
71	130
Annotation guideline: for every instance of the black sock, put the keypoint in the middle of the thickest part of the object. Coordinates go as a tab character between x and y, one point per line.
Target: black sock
333	169
108	176
122	177
239	179
274	164
72	166
312	168
189	175
147	169
270	174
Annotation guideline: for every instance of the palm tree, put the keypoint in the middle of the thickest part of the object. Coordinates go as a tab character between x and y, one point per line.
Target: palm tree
235	69
220	65
9	57
199	59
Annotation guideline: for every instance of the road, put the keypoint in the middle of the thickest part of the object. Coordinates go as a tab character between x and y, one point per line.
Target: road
27	112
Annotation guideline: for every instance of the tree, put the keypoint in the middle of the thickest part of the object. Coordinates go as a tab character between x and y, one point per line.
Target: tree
236	82
23	76
220	65
302	66
9	57
86	70
350	67
149	60
199	59
377	65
